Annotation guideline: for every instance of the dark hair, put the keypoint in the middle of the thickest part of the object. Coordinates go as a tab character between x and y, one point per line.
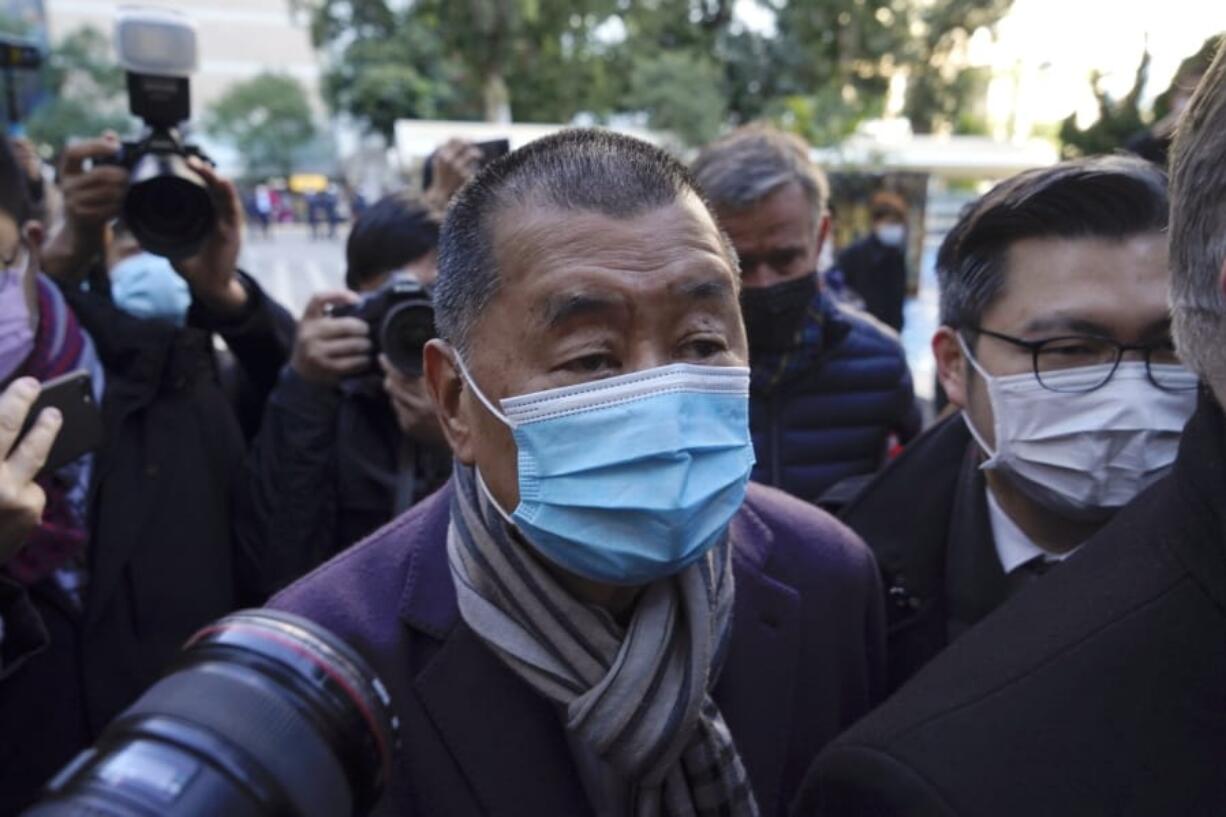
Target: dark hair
1111	197
14	186
395	231
1198	226
575	170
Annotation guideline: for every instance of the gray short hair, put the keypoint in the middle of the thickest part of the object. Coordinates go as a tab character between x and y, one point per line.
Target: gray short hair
1198	228
576	170
1113	197
749	164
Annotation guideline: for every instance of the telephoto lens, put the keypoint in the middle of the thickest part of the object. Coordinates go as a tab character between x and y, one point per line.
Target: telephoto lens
265	713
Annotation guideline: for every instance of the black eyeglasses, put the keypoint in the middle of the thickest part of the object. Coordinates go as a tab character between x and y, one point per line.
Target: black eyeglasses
1052	356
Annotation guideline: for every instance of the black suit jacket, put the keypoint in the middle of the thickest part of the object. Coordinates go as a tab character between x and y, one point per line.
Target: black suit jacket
1099	691
926	519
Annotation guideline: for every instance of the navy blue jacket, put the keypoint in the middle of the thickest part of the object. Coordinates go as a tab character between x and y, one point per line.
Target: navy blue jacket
805	661
832	417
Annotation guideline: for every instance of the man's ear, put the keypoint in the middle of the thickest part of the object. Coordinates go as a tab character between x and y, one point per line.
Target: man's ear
35	233
446	385
823	234
952	365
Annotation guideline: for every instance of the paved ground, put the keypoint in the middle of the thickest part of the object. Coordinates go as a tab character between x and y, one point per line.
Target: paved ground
291	267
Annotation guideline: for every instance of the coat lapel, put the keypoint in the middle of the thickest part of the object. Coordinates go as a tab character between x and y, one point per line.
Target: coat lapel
756	690
506	739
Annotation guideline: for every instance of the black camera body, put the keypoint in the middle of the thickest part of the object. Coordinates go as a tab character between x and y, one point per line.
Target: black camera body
401	318
168	207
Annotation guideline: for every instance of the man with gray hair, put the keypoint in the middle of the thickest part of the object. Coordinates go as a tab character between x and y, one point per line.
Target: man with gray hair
830	388
1102	689
599	616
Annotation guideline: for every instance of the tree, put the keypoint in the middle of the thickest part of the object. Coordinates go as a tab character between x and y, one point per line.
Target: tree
85	92
1117	119
267	118
682	94
551	60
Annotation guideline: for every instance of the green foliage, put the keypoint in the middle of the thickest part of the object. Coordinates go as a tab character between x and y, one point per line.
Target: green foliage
1117	119
266	118
85	92
682	93
687	64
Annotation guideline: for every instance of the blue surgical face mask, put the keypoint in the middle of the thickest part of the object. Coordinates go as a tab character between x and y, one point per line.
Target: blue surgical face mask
630	479
147	286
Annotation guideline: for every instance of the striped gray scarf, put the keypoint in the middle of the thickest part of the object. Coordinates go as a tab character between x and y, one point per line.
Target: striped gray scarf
638	697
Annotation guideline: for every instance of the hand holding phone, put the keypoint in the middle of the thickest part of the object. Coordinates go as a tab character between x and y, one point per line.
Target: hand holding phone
26	439
72	395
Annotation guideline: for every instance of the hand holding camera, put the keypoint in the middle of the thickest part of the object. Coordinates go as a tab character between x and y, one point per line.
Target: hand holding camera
330	347
92	198
21	499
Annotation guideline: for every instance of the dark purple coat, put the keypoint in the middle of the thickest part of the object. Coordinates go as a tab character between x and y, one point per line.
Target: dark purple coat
806	661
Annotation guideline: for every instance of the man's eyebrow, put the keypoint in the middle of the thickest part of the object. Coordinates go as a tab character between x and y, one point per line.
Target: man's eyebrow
705	289
1077	326
559	309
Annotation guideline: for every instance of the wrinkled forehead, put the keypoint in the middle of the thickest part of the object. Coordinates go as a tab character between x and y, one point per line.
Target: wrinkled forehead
537	238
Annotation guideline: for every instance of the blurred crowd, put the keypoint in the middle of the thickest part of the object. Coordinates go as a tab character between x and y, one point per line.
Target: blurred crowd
633	511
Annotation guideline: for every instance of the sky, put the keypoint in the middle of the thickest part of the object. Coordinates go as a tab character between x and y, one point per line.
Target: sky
1053	45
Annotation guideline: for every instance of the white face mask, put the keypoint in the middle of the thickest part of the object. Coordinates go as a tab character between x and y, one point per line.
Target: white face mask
891	234
1087	454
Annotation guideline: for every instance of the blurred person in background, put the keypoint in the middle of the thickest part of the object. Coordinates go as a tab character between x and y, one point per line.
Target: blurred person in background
876	266
135	551
1055	345
1101	690
598	615
344	448
830	387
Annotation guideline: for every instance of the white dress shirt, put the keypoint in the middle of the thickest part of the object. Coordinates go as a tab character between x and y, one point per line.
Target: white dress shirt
1013	547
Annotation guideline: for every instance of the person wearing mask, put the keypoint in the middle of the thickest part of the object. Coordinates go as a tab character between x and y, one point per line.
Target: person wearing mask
875	267
1055	345
134	551
1099	691
830	388
600	615
345	447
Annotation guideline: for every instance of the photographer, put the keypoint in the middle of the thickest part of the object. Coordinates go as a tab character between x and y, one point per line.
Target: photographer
127	576
344	447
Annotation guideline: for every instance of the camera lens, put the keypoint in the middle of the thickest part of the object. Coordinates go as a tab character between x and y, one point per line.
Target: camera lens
168	208
265	713
406	330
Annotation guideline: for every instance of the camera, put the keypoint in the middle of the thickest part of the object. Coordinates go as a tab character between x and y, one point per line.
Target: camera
265	713
401	318
168	206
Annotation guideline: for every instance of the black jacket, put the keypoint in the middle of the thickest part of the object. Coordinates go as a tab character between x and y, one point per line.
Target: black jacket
842	393
161	558
323	474
1099	691
879	274
926	519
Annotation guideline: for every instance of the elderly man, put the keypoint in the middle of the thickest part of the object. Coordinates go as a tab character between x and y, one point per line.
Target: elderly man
598	616
829	387
1055	344
1102	689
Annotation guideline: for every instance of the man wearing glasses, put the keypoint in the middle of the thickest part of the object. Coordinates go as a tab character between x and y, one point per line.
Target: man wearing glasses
1056	345
1101	690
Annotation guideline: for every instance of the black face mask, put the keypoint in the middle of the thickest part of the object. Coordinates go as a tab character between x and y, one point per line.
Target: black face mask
773	314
